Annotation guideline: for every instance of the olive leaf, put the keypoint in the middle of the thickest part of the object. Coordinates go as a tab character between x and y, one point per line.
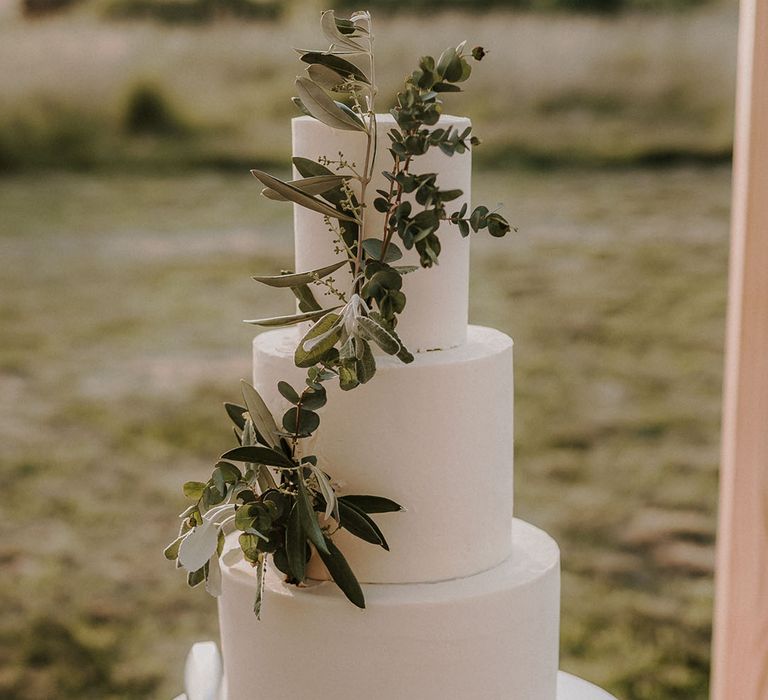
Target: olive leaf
345	69
341	573
326	110
235	413
372	504
261	416
256	454
309	519
295	544
299	278
309	185
289	320
294	194
329	25
310	168
326	490
360	524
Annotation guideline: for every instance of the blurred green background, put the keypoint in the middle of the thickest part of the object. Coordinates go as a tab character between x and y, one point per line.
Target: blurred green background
129	226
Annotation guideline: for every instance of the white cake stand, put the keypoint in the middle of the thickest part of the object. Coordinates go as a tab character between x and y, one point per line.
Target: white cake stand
203	678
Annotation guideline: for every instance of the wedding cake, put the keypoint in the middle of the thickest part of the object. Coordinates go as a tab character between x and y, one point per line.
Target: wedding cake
376	384
466	602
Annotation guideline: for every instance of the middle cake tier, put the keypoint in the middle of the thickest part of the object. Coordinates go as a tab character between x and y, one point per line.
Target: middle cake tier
435	435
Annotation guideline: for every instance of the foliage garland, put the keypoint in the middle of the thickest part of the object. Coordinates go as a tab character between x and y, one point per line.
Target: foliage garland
281	501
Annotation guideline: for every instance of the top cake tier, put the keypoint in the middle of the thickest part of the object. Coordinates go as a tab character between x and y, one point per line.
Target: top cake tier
436	313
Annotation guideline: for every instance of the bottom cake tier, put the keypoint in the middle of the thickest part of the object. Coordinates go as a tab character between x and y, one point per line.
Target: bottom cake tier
491	636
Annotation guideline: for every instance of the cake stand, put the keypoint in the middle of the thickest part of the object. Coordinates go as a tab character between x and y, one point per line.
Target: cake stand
203	678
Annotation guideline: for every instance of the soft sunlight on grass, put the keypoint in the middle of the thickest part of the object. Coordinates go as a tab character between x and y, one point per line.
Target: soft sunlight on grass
120	304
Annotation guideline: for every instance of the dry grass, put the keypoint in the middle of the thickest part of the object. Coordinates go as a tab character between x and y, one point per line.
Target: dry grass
120	308
554	87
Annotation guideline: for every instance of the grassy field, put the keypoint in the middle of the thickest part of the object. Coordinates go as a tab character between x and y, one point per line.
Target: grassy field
120	307
555	88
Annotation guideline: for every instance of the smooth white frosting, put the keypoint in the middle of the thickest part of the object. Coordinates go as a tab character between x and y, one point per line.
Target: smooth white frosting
435	435
491	636
436	311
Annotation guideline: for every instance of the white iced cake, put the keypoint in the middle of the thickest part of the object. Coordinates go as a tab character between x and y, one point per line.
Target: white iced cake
466	602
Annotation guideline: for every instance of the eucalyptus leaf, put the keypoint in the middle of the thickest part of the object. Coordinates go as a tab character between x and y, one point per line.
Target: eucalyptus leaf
171	552
193	489
294	194
372	504
300	422
278	321
288	392
314	399
309	185
256	454
373	246
325	109
341	573
299	278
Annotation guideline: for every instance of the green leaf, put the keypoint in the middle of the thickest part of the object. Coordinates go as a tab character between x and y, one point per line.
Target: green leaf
193	489
300	106
309	519
330	27
339	65
310	168
288	392
261	416
360	524
295	544
379	335
306	298
300	422
342	574
325	109
235	413
299	278
372	504
290	320
171	552
255	454
366	363
230	473
321	338
309	185
195	578
314	399
294	194
373	247
326	490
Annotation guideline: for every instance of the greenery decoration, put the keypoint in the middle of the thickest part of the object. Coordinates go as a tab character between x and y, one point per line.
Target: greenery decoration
283	503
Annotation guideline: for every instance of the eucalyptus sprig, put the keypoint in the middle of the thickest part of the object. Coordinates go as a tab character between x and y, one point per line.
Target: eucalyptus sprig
281	501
